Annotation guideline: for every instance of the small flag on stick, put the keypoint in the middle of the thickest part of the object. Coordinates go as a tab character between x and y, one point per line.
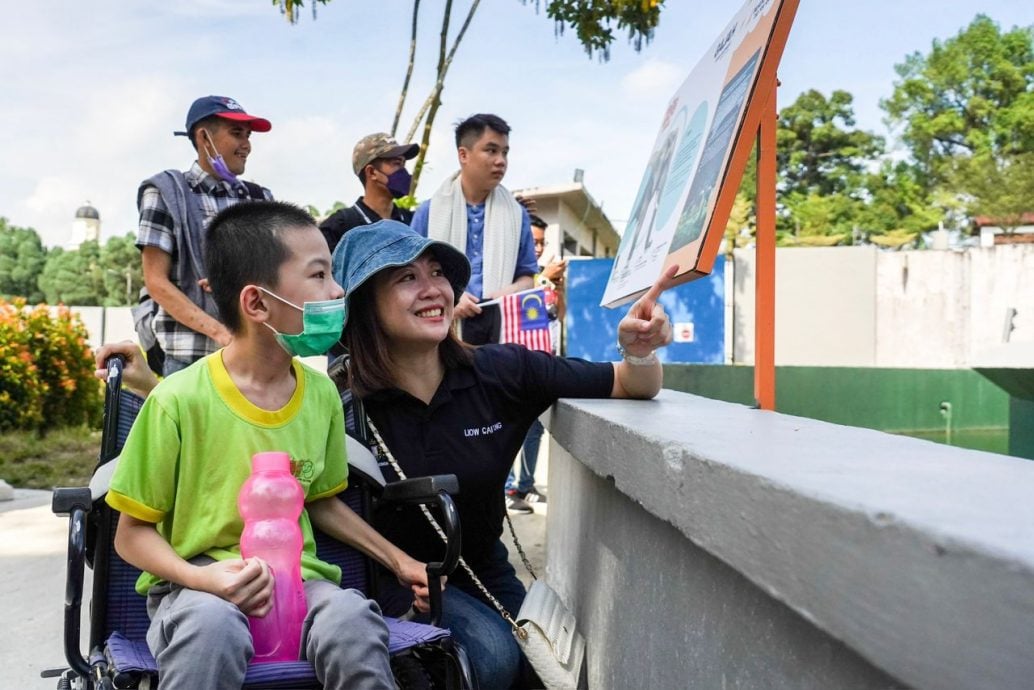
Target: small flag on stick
526	320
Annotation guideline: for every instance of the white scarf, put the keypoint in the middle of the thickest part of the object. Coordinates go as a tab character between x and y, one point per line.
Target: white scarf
447	221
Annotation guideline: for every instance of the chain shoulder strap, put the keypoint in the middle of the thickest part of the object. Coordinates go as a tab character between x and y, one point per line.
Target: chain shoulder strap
382	449
520	549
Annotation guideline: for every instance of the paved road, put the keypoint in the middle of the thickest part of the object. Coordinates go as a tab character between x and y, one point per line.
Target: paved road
32	577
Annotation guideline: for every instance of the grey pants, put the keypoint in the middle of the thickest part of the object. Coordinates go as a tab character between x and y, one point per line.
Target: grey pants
203	641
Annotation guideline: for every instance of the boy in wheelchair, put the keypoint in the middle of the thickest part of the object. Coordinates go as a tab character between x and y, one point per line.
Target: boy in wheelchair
189	452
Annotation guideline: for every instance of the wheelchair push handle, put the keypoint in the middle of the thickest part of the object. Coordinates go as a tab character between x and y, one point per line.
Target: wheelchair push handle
112	400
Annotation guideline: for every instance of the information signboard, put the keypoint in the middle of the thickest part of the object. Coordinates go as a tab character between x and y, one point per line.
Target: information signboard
693	173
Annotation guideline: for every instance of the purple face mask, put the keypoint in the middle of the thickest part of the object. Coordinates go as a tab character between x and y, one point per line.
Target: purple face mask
218	164
399	182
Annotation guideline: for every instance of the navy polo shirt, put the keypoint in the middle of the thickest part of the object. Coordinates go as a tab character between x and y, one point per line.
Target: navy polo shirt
473	428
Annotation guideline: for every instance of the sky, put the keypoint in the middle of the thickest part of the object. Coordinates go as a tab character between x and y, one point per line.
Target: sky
93	90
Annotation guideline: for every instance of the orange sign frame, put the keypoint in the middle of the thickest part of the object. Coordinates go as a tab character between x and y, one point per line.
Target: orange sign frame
702	262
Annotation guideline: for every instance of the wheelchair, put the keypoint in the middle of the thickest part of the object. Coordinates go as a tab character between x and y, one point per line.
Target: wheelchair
422	656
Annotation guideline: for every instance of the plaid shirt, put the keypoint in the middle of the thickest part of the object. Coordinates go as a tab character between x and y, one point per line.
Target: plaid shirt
158	229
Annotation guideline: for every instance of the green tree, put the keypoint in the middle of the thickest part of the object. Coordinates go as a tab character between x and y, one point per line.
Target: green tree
122	273
594	21
812	218
429	110
972	94
819	150
822	162
1000	188
22	257
74	277
896	202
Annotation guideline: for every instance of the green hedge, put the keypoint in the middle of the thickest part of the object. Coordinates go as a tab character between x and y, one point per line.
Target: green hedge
46	369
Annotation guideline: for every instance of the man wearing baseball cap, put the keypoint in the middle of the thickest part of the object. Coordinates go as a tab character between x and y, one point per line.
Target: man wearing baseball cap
380	163
176	315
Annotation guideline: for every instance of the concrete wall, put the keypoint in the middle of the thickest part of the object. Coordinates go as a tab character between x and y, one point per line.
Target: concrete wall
106	324
707	544
859	306
573	225
825	306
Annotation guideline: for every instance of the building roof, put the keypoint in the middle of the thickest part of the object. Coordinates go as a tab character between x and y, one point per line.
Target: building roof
986	221
87	211
580	201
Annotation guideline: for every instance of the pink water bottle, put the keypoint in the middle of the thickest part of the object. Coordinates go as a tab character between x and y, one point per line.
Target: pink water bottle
270	502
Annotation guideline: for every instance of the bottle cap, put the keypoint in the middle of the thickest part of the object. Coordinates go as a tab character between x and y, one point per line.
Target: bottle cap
271	461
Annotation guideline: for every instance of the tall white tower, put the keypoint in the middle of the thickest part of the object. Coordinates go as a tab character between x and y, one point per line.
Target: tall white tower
85	227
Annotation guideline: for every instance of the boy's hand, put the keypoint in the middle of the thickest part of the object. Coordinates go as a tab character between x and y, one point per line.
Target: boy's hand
248	584
413	574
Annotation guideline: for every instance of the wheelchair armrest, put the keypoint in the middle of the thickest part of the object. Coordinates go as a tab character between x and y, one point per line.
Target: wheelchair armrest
64	500
434	489
420	489
75	503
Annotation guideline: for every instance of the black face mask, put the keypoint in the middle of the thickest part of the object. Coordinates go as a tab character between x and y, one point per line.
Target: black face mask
399	182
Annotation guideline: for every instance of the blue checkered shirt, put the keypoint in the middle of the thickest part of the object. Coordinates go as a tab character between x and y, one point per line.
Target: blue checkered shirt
157	229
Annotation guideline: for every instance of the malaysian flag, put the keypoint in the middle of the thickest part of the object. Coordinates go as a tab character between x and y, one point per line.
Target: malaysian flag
526	319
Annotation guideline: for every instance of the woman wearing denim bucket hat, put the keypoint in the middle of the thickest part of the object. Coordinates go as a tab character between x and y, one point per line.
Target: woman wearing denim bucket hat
444	407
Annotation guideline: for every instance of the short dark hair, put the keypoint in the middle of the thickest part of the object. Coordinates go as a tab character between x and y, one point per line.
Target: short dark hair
362	173
471	129
244	246
537	222
370	369
212	122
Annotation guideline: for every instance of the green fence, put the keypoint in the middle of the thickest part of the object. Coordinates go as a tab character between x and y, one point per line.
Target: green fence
949	405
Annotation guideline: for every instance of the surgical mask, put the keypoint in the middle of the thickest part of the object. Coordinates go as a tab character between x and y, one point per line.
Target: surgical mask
322	323
217	162
399	182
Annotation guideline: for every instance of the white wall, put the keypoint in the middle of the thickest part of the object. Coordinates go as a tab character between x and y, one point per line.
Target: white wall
112	324
860	306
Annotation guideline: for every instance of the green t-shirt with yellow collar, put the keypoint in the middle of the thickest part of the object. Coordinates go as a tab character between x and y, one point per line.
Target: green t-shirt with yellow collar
190	449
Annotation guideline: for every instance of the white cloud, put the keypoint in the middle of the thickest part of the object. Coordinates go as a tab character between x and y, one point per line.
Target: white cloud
222	8
125	118
308	161
52	205
122	133
654	78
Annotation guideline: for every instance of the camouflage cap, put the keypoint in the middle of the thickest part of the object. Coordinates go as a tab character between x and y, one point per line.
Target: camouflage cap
380	145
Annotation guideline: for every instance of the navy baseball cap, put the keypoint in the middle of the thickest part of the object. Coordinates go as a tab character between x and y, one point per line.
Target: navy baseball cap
224	107
369	249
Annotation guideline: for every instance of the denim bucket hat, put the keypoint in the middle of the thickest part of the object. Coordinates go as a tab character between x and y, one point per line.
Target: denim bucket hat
369	249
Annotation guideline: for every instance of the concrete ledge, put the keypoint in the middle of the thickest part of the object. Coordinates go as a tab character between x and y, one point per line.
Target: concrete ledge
917	556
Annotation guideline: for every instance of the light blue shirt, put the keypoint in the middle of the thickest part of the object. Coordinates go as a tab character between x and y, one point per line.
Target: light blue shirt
527	264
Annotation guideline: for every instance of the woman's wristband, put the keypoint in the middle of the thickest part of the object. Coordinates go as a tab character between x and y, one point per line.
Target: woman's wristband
648	360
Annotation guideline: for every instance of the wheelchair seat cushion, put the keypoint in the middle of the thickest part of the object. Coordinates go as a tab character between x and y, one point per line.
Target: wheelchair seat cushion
133	656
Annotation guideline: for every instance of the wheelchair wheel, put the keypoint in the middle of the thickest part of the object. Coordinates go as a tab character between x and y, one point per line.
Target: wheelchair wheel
409	673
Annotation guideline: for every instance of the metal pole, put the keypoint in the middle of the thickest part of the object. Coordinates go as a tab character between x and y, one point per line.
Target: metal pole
764	286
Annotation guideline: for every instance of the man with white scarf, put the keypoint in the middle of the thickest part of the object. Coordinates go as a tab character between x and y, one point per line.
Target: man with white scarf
473	212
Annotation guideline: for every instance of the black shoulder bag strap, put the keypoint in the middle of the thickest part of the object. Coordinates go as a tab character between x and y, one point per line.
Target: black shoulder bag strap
255	191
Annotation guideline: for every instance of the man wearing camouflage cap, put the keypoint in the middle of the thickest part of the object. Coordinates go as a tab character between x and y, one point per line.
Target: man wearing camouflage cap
380	163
